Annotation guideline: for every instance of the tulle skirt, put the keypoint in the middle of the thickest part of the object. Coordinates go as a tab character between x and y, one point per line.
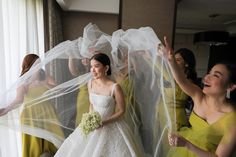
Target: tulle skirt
112	140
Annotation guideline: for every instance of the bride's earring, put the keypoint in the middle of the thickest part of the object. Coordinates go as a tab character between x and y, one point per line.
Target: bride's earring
106	70
228	94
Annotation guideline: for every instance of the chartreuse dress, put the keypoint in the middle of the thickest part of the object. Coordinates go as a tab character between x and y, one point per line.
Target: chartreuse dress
205	136
32	116
177	114
131	114
82	103
175	101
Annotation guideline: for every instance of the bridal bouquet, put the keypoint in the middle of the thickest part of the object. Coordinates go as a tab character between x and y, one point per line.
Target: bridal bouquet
90	121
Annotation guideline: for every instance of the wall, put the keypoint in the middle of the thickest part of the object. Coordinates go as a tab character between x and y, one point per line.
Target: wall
158	14
74	22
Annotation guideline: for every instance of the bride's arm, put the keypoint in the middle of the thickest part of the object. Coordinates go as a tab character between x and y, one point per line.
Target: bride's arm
120	106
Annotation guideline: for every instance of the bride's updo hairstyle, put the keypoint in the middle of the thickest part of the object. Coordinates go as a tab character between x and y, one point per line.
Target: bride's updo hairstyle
104	59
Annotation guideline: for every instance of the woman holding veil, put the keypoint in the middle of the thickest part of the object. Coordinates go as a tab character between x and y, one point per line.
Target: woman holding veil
79	67
212	132
34	146
185	59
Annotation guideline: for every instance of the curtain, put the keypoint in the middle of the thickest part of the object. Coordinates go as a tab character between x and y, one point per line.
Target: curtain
21	32
58	68
54	23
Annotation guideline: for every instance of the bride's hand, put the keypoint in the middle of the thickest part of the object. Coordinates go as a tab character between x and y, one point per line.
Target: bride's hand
100	126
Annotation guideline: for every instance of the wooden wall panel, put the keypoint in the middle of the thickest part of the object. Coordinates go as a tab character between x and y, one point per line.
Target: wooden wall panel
74	22
158	14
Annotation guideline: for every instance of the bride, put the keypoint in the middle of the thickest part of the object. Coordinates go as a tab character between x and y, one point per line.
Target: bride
113	138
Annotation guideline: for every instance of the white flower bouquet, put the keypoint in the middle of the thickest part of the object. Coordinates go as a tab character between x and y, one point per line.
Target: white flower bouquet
90	121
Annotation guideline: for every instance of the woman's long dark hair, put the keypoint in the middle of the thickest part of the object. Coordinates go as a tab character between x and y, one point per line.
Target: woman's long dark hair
189	58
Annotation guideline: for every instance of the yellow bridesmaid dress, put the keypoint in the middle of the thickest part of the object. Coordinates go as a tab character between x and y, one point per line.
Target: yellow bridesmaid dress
131	113
172	97
34	146
82	103
177	114
204	135
180	101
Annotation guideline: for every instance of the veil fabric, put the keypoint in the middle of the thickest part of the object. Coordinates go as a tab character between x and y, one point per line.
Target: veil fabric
50	113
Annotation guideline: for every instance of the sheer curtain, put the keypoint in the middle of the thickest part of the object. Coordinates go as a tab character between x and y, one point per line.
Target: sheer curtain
21	32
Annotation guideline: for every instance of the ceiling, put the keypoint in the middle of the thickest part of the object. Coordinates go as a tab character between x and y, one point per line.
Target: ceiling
203	15
97	6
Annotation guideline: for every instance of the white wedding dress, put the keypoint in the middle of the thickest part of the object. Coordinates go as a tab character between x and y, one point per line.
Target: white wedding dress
112	140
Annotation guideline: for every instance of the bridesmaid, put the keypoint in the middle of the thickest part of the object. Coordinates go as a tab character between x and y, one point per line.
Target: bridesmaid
33	146
125	80
213	130
82	96
185	60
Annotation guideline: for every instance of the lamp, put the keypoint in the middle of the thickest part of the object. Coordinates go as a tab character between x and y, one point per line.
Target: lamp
215	38
211	38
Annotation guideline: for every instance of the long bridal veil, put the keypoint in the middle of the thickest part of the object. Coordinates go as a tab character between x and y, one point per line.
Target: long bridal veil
142	72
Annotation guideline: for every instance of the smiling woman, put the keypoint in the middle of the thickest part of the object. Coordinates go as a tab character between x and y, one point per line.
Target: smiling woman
212	131
105	96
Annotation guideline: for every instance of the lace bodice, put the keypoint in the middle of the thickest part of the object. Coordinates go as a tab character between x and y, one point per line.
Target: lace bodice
105	105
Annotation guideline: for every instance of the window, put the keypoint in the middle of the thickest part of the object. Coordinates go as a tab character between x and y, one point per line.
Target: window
21	32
